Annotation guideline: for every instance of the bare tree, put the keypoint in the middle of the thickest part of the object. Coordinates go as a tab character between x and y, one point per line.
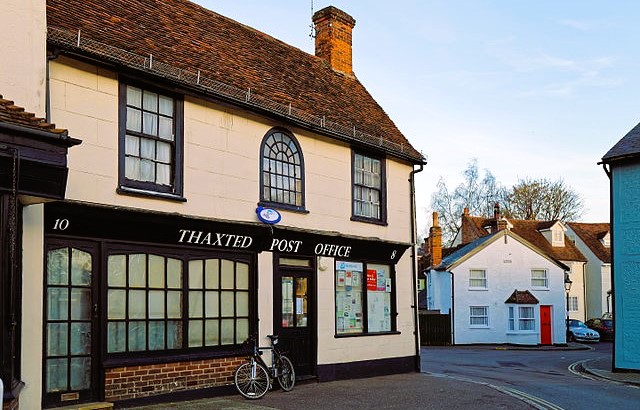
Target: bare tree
543	200
477	193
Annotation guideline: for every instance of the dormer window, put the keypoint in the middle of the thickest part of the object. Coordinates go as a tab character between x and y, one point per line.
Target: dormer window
558	236
606	240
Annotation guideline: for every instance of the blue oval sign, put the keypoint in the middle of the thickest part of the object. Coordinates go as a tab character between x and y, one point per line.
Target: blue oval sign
268	215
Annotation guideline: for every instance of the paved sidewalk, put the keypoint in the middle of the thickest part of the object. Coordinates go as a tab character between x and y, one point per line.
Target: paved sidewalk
601	367
401	391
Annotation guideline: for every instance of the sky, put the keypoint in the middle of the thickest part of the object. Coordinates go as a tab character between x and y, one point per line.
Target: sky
531	89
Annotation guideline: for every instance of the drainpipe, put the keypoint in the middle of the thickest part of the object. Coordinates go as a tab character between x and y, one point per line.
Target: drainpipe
47	99
412	199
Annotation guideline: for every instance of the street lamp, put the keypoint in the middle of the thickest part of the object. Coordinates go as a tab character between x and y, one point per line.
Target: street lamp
567	288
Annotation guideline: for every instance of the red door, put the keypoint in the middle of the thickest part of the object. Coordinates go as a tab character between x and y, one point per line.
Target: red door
545	325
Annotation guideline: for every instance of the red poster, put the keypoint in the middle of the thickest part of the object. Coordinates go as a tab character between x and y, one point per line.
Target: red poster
372	279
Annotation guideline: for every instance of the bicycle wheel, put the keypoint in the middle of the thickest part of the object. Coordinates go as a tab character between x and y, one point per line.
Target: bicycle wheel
286	373
251	380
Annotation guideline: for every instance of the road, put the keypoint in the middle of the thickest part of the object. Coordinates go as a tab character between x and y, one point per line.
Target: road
534	374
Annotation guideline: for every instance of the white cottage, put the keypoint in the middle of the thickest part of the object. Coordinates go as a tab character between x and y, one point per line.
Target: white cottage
499	288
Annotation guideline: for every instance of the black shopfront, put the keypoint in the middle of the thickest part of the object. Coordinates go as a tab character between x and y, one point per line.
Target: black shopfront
33	169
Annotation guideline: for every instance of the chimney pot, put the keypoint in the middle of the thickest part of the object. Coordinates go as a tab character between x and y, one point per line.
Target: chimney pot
333	29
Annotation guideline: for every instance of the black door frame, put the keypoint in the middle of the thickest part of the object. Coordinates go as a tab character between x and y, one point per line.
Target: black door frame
312	316
95	391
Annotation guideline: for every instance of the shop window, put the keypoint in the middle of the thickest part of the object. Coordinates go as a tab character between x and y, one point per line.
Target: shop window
150	142
218	302
368	189
365	299
152	306
521	319
282	170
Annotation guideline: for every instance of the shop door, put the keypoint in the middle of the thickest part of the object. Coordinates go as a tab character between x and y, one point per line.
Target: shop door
70	321
294	317
545	325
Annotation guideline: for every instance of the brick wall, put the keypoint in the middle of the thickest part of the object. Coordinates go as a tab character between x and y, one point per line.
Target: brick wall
131	382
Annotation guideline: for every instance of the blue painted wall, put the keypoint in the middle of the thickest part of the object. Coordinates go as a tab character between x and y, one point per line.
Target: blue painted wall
626	264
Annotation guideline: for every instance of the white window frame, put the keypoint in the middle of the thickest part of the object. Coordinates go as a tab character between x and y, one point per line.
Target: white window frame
545	285
515	315
485	279
574	305
476	316
557	237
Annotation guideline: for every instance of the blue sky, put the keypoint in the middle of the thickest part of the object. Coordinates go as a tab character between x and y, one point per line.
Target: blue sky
532	89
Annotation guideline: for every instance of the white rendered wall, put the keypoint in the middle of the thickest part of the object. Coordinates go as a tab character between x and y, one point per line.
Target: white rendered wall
578	289
597	280
23	61
221	160
503	278
439	291
32	306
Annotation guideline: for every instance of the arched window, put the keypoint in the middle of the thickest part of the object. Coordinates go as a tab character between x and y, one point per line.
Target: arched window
282	169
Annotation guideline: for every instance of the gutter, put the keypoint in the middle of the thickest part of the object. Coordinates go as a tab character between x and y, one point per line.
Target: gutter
414	265
48	136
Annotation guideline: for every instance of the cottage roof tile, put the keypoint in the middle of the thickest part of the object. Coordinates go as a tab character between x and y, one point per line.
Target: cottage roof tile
591	234
16	115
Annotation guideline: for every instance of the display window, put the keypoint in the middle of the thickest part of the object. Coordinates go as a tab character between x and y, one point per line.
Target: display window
365	298
156	302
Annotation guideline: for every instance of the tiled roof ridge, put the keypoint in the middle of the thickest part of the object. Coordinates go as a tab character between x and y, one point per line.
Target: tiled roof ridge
250	71
17	115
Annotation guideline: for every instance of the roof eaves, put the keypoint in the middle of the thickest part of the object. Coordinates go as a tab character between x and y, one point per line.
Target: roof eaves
73	43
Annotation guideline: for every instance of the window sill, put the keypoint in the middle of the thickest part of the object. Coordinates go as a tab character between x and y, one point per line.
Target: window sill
539	289
166	356
283	207
342	336
480	289
369	220
123	190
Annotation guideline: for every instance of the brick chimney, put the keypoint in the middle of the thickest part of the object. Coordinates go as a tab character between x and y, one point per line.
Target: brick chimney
333	29
435	242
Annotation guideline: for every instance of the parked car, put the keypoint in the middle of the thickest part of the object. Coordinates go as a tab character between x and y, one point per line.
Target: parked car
603	326
579	332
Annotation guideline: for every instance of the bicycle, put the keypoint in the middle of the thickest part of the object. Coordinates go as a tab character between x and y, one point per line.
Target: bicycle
254	377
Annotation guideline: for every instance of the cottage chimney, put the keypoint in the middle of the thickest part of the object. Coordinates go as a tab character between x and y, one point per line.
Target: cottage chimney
502	224
333	29
496	211
435	242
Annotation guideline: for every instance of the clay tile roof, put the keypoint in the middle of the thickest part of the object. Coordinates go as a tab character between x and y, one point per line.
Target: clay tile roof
591	234
522	297
628	146
189	37
530	231
13	114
